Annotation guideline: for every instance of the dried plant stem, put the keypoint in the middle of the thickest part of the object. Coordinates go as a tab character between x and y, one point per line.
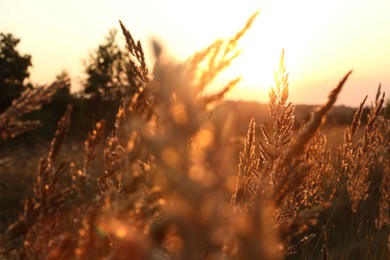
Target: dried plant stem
297	149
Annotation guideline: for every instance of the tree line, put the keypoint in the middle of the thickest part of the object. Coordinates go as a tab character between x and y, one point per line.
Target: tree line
108	77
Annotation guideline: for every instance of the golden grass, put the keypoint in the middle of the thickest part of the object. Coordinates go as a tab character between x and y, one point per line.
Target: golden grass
168	187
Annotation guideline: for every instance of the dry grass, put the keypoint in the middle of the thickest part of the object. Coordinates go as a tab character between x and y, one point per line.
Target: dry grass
11	124
167	186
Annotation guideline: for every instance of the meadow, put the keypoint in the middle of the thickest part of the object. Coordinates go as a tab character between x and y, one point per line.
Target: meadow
179	177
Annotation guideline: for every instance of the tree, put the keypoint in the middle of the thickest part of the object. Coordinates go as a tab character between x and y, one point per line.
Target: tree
13	70
109	77
106	70
62	97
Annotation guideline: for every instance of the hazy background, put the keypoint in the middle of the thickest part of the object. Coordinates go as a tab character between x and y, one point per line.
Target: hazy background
322	39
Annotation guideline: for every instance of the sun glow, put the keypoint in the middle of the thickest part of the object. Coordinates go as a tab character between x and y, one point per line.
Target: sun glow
274	29
321	42
322	39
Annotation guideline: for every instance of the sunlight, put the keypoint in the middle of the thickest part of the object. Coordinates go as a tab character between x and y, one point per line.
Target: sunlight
263	44
320	43
322	39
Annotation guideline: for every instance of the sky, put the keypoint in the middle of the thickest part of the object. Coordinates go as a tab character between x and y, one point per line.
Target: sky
322	40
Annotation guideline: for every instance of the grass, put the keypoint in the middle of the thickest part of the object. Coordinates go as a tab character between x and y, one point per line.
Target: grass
169	184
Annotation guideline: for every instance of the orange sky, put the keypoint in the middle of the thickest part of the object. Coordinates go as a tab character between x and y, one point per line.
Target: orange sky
322	39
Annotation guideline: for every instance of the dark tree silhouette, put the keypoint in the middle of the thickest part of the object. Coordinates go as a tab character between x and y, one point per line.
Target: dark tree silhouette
62	97
387	109
107	71
109	77
13	70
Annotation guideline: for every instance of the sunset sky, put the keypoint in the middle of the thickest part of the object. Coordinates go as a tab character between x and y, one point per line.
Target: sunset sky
323	40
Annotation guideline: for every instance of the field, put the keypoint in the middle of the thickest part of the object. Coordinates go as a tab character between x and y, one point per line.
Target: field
183	175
